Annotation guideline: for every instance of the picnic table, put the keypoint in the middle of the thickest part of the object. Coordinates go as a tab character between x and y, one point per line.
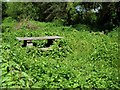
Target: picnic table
27	41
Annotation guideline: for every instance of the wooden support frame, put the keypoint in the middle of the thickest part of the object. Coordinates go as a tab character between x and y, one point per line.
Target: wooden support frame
24	43
49	42
27	41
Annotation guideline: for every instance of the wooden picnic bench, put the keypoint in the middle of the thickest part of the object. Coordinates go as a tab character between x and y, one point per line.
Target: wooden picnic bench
28	40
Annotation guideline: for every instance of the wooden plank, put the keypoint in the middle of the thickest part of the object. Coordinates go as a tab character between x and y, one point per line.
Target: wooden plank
24	43
45	49
38	38
29	44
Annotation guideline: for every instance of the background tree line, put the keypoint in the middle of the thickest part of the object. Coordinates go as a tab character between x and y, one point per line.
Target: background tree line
95	14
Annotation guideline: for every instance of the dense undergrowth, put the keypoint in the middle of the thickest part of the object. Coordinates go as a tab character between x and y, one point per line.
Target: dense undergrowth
80	60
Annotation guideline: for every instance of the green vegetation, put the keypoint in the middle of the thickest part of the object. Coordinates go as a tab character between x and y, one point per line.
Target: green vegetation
96	14
80	60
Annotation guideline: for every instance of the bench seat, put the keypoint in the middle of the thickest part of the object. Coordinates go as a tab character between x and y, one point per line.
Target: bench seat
28	40
38	38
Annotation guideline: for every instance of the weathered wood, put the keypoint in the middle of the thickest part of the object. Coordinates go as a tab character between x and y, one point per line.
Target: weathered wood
24	43
28	40
27	43
50	42
38	38
45	49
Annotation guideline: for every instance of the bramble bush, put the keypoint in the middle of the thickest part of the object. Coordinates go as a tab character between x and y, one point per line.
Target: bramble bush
80	60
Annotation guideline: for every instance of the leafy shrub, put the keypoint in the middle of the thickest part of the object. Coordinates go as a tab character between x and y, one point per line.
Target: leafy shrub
8	24
81	27
79	60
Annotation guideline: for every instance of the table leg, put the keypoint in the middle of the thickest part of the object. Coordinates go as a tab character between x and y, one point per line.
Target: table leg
24	43
50	42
